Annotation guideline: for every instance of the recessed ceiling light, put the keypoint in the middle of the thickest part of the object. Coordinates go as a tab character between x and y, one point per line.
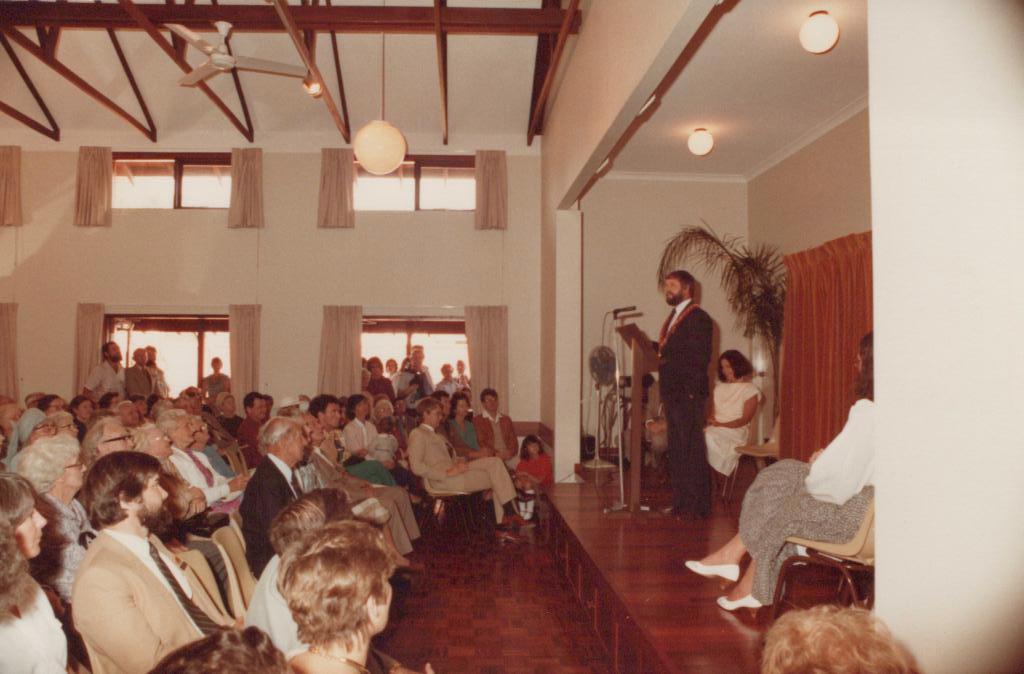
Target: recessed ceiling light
819	33
700	142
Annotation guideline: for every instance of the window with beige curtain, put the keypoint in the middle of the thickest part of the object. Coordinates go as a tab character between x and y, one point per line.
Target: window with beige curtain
10	185
94	186
246	208
244	340
340	369
8	349
337	175
487	339
88	342
491	190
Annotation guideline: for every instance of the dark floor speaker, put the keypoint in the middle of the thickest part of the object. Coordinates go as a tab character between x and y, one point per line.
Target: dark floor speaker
588	443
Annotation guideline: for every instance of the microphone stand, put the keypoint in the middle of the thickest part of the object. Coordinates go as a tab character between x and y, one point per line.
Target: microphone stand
621	506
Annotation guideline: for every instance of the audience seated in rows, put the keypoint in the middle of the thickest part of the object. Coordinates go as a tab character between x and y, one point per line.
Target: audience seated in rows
31	637
432	458
133	601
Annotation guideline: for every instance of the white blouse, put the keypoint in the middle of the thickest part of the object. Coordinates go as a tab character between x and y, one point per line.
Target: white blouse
35	642
848	463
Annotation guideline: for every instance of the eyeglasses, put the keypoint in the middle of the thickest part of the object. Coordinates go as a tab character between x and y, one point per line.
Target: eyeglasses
115	439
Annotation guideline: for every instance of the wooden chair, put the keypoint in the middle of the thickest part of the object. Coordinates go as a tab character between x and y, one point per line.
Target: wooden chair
234	546
236	460
856	556
759	453
195	560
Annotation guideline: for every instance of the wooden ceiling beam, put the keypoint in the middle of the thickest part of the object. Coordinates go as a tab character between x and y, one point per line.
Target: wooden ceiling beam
261	18
341	83
131	81
68	74
537	111
441	38
142	20
52	131
285	14
545	45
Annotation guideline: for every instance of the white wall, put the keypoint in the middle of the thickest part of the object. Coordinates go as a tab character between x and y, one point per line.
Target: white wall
819	193
190	258
627	223
947	170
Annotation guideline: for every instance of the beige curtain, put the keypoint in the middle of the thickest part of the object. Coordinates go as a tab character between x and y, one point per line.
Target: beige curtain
337	176
244	345
10	185
8	349
246	209
340	369
491	190
88	342
94	187
487	339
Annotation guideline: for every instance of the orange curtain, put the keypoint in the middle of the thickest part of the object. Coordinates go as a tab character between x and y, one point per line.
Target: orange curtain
828	310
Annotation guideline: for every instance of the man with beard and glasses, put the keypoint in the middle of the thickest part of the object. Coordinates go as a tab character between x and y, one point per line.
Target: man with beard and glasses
684	353
134	601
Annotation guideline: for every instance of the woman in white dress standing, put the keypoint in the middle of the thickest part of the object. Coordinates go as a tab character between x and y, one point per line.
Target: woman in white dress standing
733	406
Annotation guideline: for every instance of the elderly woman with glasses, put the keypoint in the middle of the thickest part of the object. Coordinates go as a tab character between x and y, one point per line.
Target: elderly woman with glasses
106	436
54	468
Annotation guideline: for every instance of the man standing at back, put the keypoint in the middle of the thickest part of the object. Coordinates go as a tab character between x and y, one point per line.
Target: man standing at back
273	486
684	351
108	376
134	603
137	379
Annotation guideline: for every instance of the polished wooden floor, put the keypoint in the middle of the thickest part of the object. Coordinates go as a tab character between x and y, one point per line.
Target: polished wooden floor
653	614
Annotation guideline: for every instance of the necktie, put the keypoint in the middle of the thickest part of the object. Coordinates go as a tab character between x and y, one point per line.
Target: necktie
296	487
205	624
207	473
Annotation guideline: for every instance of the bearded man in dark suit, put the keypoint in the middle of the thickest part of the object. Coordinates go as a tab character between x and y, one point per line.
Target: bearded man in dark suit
684	350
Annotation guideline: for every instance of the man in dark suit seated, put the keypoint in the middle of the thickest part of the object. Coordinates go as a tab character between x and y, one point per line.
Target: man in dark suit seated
273	486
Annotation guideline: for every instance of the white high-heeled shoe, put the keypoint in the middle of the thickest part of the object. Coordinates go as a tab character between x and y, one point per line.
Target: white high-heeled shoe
730	572
742	602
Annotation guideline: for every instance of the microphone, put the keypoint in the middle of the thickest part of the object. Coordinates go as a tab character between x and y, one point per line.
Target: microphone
622	310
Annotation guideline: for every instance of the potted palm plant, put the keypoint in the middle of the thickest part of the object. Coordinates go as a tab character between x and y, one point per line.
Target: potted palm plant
753	277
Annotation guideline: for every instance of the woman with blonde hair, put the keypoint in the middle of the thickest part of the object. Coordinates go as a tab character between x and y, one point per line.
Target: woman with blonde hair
31	638
336	584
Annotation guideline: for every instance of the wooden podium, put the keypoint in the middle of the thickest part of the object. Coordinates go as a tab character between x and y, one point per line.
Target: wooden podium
645	360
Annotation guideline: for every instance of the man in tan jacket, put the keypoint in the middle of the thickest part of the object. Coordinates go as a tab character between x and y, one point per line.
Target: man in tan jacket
431	457
134	601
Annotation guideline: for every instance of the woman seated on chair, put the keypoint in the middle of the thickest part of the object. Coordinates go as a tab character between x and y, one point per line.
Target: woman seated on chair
733	405
432	458
824	499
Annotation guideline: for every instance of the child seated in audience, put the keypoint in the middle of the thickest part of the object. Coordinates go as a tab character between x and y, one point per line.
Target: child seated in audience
533	473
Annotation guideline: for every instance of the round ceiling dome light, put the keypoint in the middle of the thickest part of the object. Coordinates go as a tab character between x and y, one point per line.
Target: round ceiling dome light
379	147
700	142
819	33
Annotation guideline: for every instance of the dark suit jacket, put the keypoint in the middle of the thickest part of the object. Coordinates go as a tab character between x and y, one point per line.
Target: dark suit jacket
267	493
683	367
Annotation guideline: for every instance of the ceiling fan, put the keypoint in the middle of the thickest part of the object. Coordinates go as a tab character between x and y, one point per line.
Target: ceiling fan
220	61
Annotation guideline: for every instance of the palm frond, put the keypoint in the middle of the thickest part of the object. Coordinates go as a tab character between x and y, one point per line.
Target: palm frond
753	278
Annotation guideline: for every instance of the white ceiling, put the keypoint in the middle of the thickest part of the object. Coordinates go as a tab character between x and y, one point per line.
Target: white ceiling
750	83
758	92
490	82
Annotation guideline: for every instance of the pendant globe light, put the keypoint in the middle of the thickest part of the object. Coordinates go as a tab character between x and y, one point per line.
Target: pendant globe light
380	147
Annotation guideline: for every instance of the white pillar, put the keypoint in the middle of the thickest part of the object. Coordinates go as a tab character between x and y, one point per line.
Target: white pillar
568	339
947	184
